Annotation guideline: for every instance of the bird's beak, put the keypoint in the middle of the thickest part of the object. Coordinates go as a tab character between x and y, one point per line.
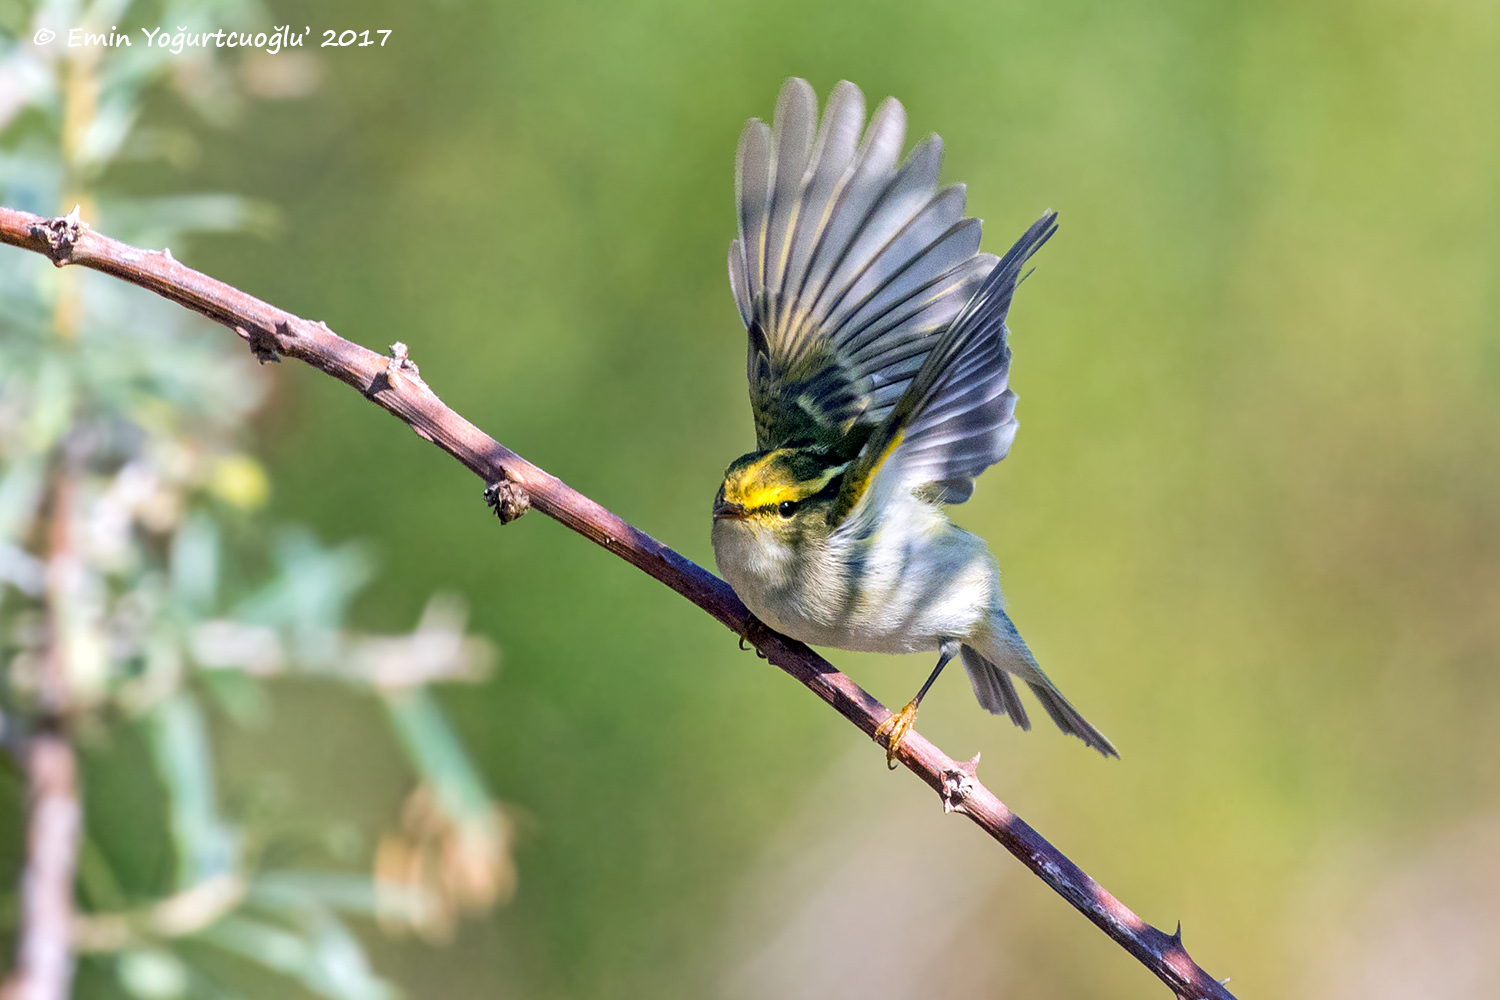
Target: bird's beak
724	510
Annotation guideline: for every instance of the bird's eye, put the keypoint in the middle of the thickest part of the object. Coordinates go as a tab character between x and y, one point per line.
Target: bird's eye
786	508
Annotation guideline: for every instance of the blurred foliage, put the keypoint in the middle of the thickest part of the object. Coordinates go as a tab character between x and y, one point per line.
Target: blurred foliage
1248	524
146	601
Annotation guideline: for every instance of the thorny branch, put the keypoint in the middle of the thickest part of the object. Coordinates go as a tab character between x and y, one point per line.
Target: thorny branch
394	384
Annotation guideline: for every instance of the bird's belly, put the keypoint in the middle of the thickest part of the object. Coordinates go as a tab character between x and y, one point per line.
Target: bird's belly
877	595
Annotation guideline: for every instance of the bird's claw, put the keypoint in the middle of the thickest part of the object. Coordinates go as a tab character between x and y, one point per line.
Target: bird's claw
751	624
895	729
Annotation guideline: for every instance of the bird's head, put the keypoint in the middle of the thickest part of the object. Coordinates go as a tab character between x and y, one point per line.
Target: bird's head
785	491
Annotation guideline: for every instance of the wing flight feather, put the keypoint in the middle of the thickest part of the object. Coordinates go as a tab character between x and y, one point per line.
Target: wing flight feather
848	266
956	415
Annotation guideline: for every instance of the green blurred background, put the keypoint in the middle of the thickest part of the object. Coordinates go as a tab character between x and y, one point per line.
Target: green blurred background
1249	524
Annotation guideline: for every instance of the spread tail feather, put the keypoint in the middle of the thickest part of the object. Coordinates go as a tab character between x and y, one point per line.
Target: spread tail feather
1068	719
993	688
1007	654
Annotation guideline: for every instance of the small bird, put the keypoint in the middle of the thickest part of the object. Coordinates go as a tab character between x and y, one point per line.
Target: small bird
879	383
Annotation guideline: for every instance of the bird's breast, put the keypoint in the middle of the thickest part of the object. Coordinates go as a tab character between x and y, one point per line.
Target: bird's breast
904	586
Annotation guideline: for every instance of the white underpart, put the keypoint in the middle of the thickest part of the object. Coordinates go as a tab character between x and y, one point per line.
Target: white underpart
921	579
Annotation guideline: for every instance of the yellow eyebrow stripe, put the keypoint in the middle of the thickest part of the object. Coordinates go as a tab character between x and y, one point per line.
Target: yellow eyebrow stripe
770	496
754	489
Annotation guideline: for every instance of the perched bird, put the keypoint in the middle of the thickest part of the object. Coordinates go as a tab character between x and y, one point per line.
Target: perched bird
878	370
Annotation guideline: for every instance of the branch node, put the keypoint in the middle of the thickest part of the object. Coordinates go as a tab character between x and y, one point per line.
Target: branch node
958	784
399	364
263	343
508	499
166	253
61	234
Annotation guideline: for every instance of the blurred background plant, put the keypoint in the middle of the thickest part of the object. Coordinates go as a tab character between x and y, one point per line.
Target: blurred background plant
146	600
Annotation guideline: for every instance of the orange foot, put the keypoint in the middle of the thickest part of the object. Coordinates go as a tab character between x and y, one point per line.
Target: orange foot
895	729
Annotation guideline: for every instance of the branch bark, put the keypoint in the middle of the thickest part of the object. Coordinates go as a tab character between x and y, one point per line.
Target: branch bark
394	384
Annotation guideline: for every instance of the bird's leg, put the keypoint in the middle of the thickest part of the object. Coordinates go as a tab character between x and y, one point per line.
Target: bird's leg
897	726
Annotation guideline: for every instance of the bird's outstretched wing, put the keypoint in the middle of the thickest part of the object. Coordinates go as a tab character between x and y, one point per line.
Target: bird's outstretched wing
848	266
957	415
